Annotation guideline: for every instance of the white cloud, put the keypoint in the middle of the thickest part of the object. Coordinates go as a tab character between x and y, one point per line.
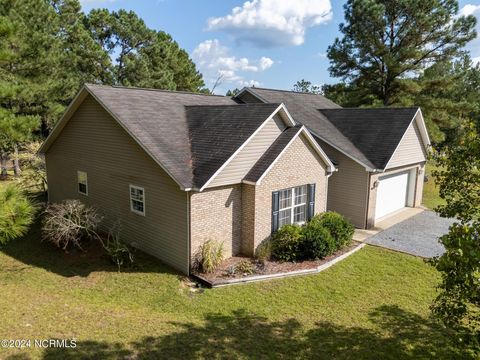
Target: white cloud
469	9
476	60
214	60
273	23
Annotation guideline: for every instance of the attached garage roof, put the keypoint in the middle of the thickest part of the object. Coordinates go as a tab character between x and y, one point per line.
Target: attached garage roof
376	133
368	136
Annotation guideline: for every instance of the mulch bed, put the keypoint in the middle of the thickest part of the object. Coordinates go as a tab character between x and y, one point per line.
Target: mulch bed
227	269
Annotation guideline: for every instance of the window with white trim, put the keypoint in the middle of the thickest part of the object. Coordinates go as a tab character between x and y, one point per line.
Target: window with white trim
82	182
292	206
137	199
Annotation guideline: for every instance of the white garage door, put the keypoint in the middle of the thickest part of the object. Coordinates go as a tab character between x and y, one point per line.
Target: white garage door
392	194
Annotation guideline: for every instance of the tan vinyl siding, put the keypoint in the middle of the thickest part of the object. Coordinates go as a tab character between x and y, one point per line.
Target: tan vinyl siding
92	141
236	170
410	150
347	188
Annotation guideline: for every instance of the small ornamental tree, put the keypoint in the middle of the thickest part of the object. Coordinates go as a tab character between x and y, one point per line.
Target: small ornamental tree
458	177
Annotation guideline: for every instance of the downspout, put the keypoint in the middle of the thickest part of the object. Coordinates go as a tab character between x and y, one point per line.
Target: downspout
368	199
326	187
189	240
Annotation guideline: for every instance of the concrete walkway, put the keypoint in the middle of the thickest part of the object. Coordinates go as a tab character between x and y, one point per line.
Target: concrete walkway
402	215
417	235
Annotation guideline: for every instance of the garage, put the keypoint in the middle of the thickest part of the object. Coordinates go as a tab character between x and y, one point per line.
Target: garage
394	192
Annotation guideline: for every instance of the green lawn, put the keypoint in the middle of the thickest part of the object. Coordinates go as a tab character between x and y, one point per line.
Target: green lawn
431	198
372	305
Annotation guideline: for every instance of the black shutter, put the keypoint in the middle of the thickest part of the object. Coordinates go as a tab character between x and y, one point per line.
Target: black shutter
311	201
275	207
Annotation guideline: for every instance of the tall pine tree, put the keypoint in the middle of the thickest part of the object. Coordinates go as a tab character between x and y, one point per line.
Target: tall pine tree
386	44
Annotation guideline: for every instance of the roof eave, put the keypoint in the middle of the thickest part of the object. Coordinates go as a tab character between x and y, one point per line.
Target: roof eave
303	130
81	95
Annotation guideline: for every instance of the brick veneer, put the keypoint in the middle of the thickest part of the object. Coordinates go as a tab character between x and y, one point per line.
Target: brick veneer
216	214
240	214
299	165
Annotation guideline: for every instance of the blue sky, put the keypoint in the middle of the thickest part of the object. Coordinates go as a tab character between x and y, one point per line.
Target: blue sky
269	43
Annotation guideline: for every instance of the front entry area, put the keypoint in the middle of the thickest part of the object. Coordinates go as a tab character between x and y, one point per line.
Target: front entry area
394	192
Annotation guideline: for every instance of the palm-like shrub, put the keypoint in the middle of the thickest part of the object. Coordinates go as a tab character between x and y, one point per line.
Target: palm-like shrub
16	213
70	223
209	256
120	253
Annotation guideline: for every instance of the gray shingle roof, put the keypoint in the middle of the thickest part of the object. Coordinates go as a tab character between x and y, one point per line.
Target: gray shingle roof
367	135
158	120
375	132
217	131
272	153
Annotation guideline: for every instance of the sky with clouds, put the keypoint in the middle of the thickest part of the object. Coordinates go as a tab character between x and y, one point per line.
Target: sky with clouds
269	43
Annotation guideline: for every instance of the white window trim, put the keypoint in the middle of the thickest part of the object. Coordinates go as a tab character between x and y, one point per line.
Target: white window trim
131	200
293	206
86	182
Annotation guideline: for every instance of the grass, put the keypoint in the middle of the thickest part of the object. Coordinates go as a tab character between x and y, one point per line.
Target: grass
375	304
431	198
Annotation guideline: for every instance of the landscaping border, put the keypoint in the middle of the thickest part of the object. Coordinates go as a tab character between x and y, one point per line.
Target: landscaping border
255	278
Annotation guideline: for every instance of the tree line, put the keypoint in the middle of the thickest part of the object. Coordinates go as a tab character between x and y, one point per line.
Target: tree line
406	53
49	48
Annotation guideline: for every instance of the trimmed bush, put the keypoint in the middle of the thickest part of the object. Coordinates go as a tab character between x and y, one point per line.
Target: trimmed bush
285	243
340	228
209	256
70	223
16	213
317	241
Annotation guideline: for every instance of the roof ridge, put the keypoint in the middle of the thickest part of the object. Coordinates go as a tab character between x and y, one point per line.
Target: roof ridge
289	91
153	89
373	108
235	105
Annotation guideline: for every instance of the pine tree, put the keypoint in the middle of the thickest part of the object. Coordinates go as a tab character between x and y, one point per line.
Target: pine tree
387	42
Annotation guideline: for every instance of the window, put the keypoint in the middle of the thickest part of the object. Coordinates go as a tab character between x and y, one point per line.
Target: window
292	206
137	199
82	182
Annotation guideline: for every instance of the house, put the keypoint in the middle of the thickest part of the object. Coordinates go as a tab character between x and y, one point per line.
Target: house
380	153
174	169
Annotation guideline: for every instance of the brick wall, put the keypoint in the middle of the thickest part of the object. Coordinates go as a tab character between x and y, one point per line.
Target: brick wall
240	215
299	165
216	214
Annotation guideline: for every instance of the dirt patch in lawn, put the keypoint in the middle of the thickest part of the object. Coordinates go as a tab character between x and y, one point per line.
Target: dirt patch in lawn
231	268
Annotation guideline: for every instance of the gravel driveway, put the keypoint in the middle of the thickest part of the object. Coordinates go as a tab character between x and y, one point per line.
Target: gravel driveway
417	235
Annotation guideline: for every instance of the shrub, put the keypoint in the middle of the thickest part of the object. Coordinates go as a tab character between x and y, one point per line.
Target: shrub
285	243
119	252
317	241
209	256
340	228
16	213
245	267
70	223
